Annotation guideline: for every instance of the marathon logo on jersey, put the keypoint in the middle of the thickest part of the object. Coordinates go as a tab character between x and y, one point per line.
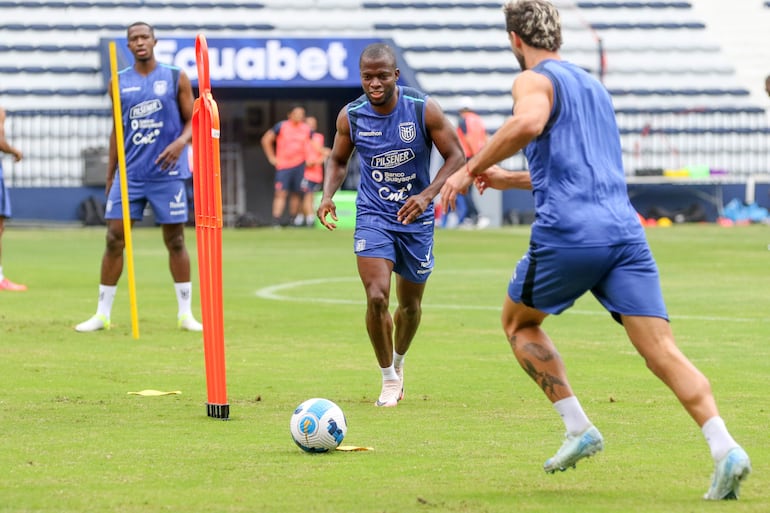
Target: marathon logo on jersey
371	133
407	131
392	158
160	87
145	109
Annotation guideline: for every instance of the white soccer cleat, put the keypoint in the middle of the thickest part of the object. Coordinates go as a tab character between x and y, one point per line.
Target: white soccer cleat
400	373
391	392
95	323
574	449
733	468
188	323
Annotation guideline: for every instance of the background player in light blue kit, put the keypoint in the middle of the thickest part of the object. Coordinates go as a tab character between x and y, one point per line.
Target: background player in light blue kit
157	106
586	237
393	129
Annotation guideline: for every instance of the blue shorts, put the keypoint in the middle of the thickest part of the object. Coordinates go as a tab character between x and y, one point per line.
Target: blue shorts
290	179
310	186
5	200
168	200
410	252
623	278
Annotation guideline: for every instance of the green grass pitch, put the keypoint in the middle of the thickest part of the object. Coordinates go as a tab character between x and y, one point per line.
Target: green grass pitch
470	437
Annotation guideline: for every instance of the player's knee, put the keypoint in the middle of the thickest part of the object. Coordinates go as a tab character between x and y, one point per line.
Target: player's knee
411	310
377	301
175	242
115	242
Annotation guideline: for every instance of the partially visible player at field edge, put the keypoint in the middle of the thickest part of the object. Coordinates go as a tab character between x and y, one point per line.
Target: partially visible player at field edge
393	129
586	237
157	106
5	203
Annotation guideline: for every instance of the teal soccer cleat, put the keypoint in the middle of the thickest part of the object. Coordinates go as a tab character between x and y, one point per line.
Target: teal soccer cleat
728	474
574	449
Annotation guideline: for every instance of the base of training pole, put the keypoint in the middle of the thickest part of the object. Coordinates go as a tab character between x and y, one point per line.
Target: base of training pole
218	411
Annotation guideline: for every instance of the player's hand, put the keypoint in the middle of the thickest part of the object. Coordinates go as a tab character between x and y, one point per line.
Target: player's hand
327	207
170	156
412	209
17	155
494	177
456	184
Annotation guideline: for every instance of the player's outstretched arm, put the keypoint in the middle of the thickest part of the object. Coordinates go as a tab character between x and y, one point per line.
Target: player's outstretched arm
532	97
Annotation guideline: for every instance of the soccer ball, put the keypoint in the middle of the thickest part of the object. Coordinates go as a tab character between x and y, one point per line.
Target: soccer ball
318	425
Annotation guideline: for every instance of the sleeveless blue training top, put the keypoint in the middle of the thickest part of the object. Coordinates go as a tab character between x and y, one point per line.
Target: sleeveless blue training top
576	166
394	156
151	121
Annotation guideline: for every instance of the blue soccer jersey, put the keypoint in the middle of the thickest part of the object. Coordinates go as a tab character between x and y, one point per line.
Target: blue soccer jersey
151	121
394	156
578	181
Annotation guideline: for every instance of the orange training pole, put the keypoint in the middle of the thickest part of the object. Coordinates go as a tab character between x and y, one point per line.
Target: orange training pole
207	187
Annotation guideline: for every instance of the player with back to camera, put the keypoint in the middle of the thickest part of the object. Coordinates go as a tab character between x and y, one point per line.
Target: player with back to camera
586	237
5	204
157	105
392	129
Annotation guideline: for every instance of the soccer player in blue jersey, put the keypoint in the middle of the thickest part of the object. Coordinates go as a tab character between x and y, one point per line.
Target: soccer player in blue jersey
392	129
586	237
157	106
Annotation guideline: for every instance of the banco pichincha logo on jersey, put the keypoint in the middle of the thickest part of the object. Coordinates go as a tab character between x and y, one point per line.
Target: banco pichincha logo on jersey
146	129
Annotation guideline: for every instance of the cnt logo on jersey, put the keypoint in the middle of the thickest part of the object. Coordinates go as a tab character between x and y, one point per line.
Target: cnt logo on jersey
146	129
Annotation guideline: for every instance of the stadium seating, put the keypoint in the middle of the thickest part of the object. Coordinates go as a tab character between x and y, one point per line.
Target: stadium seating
49	60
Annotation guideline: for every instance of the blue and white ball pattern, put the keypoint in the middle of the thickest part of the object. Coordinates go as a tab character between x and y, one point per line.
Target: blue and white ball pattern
318	425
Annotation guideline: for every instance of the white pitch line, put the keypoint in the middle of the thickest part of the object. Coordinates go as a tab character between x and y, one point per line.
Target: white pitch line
273	293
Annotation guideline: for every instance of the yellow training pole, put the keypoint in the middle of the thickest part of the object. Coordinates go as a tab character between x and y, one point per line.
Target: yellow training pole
117	116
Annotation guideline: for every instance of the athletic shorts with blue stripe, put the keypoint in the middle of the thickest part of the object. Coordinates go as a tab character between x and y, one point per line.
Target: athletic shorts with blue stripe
623	278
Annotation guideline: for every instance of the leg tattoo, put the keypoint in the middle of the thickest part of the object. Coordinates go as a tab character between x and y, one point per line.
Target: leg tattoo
540	355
